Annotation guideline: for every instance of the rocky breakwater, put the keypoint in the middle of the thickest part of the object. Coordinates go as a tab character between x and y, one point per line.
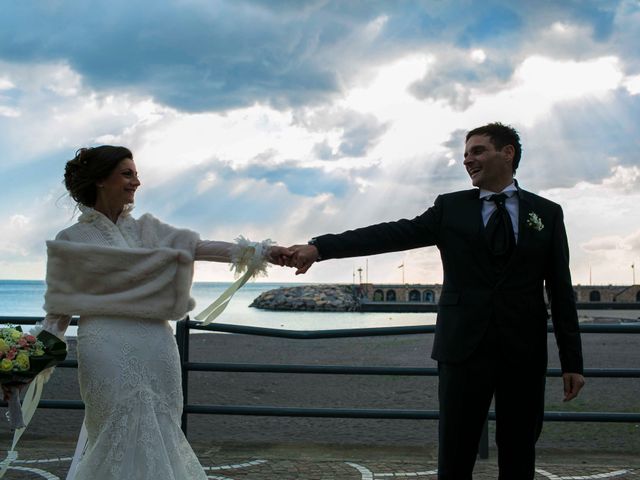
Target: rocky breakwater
318	298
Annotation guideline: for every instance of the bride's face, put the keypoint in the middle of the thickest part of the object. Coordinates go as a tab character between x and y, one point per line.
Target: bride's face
121	185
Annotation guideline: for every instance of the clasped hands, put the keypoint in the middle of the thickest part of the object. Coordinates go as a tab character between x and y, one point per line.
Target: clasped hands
300	257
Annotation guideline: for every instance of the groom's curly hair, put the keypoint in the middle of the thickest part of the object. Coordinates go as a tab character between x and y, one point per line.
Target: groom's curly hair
89	166
500	136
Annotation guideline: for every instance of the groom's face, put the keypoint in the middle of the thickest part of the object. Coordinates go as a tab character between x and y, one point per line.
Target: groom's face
488	168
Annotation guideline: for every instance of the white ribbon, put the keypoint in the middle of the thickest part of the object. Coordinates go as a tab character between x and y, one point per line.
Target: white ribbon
210	313
254	264
29	405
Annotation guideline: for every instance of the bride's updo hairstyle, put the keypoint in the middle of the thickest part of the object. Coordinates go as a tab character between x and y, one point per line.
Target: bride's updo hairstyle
89	166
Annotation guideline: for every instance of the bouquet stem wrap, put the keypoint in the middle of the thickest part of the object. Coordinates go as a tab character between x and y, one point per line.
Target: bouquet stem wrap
55	351
15	410
29	405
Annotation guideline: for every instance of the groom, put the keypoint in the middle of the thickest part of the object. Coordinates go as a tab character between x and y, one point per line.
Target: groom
501	246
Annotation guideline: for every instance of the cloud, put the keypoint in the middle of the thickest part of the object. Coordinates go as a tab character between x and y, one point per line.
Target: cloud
54	112
305	181
346	132
27	225
495	23
632	84
6	84
605	244
455	76
220	54
19	228
200	56
623	179
602	220
609	257
581	141
9	112
456	140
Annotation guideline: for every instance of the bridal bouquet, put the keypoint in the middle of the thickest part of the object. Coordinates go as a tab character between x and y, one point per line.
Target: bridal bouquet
22	357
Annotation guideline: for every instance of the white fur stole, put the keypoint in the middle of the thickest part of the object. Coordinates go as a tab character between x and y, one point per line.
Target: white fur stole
84	279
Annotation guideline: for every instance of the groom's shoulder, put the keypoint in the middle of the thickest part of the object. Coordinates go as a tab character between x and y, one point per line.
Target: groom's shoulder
459	195
538	200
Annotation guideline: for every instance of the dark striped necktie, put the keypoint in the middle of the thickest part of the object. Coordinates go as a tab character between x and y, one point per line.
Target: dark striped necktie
499	229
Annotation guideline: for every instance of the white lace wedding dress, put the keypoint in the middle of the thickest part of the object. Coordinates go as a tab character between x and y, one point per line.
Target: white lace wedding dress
130	382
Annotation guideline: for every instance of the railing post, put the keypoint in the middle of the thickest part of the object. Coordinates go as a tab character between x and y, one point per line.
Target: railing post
483	451
182	339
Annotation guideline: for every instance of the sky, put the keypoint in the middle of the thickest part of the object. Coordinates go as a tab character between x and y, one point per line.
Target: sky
289	119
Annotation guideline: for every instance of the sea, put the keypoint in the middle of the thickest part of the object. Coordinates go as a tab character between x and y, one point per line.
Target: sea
24	298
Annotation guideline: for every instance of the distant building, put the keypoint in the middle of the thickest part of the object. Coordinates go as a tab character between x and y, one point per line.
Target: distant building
430	293
401	293
607	294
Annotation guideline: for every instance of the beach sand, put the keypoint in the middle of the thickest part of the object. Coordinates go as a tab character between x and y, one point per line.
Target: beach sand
353	391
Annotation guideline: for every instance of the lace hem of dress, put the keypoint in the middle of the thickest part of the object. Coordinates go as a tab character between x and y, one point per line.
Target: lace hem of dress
140	441
133	405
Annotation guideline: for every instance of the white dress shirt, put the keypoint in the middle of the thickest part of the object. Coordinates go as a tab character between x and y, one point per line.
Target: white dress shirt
511	204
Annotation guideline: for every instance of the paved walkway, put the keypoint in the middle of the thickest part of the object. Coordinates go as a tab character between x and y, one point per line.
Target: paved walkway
51	460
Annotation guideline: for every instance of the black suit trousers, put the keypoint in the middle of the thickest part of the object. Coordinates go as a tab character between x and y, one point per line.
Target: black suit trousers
465	392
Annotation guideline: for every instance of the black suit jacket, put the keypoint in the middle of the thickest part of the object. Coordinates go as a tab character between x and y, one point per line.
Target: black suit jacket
474	291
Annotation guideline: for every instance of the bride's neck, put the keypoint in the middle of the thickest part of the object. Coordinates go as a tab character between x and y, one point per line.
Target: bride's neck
112	212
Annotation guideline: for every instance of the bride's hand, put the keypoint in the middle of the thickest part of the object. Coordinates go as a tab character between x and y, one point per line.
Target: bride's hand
279	255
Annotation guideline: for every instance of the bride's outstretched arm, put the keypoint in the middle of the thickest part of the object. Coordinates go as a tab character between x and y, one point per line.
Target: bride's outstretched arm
214	251
227	252
247	259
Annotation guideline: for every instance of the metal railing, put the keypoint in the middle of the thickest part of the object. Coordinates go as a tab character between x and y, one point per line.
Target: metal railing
184	327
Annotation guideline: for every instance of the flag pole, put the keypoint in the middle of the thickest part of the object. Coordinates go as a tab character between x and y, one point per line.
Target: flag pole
366	271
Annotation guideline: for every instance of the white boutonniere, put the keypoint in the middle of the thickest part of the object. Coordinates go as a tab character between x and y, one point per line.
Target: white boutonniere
533	221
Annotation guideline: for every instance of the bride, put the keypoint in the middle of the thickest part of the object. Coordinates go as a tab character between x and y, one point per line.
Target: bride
126	278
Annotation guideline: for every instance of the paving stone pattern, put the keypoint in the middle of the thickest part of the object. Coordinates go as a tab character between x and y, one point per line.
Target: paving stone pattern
51	461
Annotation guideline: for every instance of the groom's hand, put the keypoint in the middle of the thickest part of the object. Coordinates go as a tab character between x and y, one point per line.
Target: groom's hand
573	383
303	257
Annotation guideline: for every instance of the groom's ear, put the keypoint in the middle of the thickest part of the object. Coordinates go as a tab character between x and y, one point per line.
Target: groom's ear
509	152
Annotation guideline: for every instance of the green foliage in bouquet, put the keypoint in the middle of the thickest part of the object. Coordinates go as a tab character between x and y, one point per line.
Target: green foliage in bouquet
23	356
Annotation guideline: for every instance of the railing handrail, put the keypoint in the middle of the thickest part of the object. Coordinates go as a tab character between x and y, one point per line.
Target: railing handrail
376	370
624	327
